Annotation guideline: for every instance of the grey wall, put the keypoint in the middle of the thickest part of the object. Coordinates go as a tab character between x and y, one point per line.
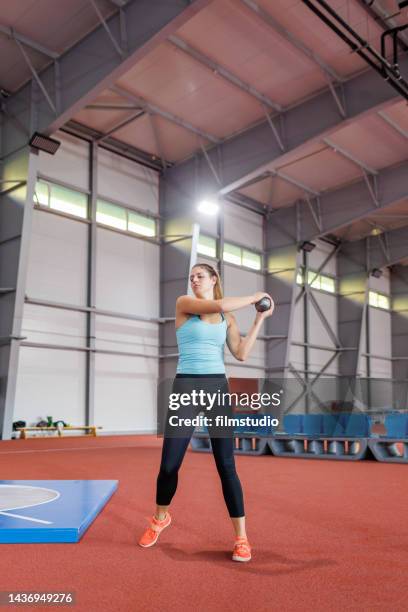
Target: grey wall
52	382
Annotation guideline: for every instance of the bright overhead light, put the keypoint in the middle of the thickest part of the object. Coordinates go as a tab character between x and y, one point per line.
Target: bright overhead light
208	207
376	231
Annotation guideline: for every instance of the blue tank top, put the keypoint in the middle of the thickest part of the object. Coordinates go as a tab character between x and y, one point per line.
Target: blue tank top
201	346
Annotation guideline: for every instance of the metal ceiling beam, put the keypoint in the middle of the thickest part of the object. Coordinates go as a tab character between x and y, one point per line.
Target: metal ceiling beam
385	20
338	209
28	42
386	249
305	123
224	73
36	76
91	66
112	144
329	73
294	182
110	107
295	42
157	141
393	124
366	170
357	162
121	124
245	202
389	71
118	3
107	29
155	110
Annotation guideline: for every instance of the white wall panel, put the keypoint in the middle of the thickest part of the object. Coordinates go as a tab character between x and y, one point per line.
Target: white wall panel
380	332
57	263
240	282
127	277
126	181
54	326
380	368
362	362
125	393
50	383
243	226
319	254
70	164
318	358
208	223
298	321
382	284
317	330
127	336
297	357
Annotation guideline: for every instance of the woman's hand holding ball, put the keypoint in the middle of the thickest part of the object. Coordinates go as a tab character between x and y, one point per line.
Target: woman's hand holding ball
264	305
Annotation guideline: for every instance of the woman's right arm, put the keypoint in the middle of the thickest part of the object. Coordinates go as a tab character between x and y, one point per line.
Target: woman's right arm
190	305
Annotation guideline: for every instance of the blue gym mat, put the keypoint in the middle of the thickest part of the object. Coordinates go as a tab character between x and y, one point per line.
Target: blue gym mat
33	511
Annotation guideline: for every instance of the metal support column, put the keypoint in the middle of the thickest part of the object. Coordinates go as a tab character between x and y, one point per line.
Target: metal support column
399	334
283	264
306	323
16	211
352	305
91	294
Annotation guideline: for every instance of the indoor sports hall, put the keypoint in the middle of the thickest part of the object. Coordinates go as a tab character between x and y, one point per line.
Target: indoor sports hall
204	305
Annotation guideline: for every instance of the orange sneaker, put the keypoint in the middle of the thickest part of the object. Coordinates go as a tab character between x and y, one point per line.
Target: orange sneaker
151	535
242	550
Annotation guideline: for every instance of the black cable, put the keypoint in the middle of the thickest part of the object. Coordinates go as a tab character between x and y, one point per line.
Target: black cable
349	29
394	79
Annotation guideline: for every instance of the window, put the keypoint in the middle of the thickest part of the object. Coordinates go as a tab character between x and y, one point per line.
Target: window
317	281
61	198
110	214
232	254
42	193
140	224
241	257
251	260
207	246
121	218
378	300
76	203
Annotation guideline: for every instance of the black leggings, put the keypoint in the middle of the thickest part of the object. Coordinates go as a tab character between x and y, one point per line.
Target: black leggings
174	449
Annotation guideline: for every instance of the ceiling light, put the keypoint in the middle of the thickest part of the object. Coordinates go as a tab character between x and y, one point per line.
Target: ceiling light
307	246
376	231
44	143
376	272
208	207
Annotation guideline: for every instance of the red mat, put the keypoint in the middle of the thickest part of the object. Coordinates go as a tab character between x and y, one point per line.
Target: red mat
326	535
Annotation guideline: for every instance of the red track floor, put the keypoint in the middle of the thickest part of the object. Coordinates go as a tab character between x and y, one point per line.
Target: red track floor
326	535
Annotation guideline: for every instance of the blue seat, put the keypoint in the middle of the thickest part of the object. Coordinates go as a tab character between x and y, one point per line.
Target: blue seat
355	425
313	424
332	425
397	425
260	430
293	423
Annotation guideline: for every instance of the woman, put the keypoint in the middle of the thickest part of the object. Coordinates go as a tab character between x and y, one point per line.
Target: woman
203	324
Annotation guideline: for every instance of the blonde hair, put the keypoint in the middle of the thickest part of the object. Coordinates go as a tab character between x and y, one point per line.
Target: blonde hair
218	293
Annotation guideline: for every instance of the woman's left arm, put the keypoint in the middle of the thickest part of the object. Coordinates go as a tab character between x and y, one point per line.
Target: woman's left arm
241	347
